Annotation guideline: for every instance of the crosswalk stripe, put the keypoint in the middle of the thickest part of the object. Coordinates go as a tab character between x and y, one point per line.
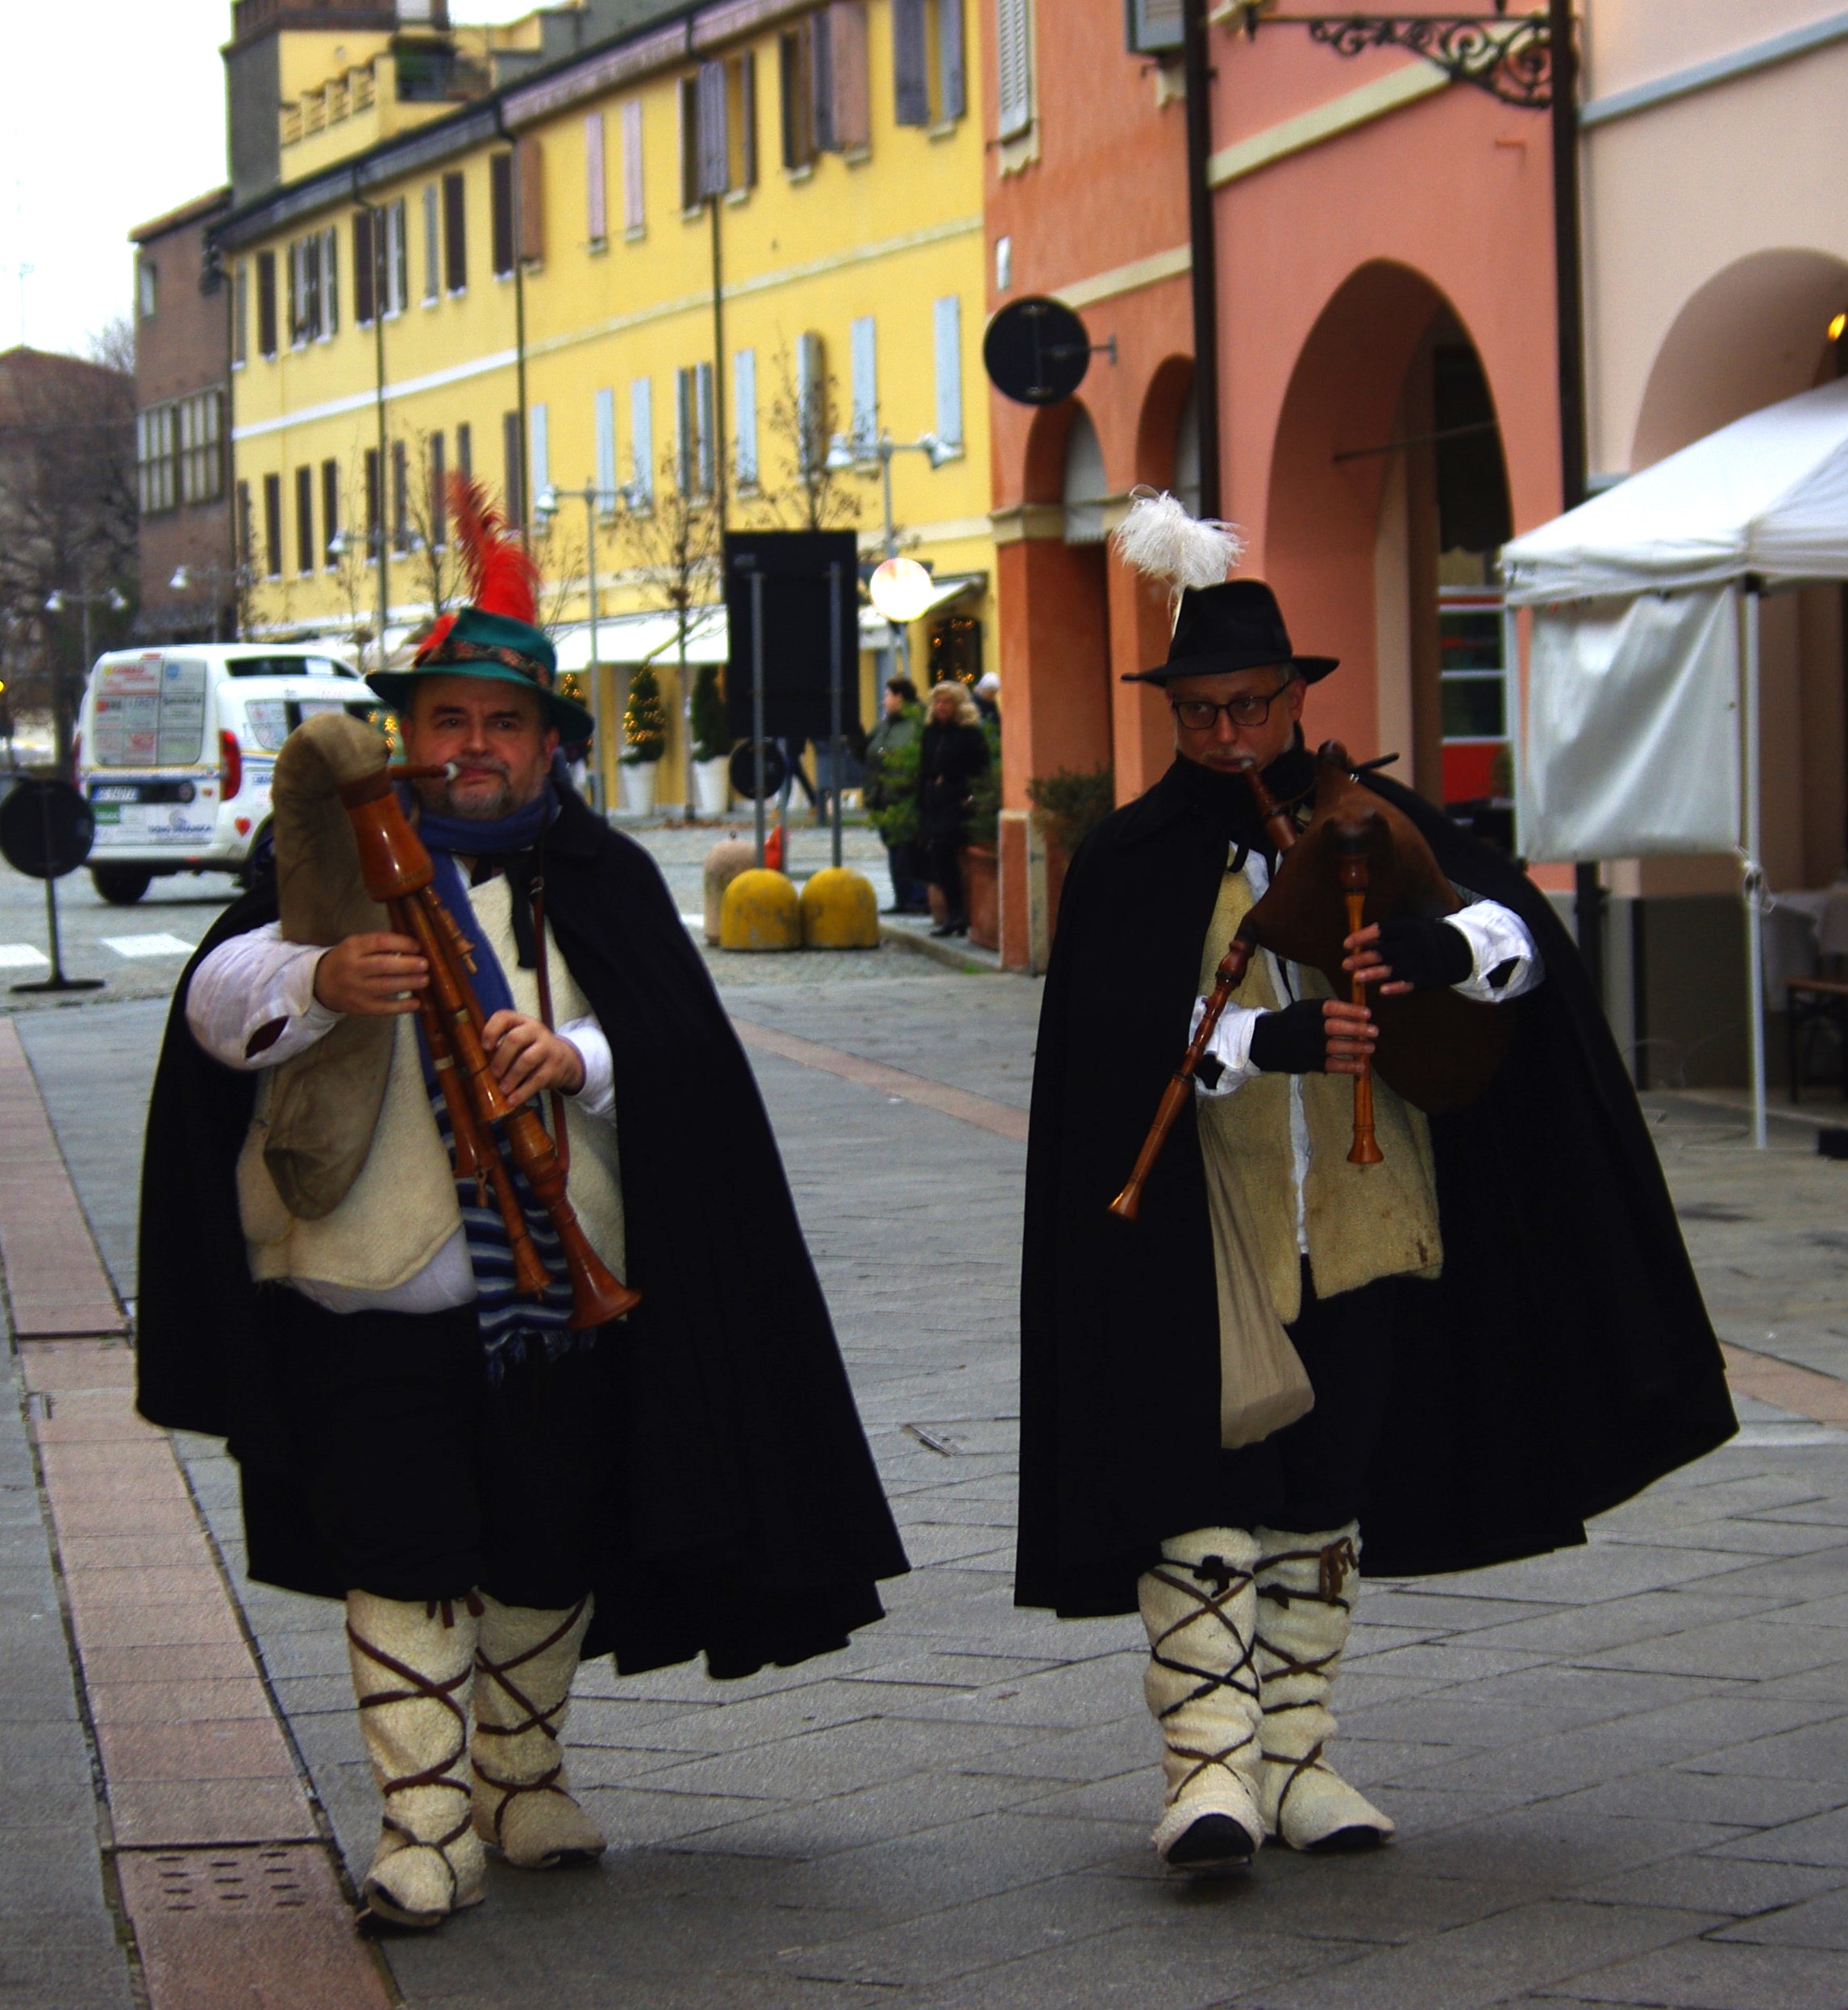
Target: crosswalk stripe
21	956
161	945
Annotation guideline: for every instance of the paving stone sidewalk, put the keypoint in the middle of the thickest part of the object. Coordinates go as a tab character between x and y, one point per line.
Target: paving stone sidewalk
1620	1773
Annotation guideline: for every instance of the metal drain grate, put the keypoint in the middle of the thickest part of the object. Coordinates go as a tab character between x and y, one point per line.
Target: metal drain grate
270	1880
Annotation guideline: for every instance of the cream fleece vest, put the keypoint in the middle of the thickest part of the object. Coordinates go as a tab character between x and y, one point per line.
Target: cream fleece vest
403	1207
1362	1222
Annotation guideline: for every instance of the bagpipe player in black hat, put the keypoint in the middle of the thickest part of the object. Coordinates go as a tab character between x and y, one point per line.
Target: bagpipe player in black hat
1463	1350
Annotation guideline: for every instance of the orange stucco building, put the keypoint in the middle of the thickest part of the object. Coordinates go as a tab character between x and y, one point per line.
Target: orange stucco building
1386	274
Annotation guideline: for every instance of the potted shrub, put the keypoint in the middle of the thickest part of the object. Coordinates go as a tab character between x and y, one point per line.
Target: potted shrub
711	744
982	871
1067	805
645	735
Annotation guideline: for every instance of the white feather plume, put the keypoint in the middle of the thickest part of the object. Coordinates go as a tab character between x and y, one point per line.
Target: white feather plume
1162	541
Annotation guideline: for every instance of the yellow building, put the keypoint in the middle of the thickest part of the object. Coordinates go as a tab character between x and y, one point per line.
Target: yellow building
726	266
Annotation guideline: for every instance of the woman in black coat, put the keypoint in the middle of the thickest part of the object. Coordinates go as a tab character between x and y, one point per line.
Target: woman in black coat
954	751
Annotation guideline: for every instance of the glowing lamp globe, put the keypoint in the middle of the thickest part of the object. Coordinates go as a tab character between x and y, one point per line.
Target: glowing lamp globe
901	589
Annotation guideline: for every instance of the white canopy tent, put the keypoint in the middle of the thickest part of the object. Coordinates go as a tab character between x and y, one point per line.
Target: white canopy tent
1640	733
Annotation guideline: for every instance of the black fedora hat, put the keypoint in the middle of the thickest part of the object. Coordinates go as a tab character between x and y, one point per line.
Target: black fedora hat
1235	626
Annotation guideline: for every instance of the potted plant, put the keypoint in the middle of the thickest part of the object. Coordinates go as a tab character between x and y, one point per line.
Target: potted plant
645	734
980	858
1067	806
711	742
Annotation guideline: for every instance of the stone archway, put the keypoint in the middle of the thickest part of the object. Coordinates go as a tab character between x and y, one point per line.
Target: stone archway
1388	495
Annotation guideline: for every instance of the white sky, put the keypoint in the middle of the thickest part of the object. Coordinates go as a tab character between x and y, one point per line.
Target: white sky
114	116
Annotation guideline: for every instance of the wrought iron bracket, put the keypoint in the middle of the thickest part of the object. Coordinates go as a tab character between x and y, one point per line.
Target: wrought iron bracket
1509	56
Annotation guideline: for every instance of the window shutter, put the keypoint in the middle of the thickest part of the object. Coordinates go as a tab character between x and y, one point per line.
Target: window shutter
1013	67
634	214
438	496
705	426
811	402
330	281
795	51
266	303
330	508
744	80
952	63
455	234
847	57
432	242
240	313
539	422
642	440
689	142
464	450
864	356
714	141
607	484
596	185
293	301
683	432
910	61
819	28
500	193
947	333
272	526
744	411
397	288
529	184
513	474
305	519
399	495
373	500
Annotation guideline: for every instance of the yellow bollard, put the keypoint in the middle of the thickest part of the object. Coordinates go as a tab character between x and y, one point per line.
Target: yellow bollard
761	911
840	911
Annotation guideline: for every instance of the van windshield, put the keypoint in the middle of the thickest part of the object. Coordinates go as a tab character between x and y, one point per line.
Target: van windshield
150	712
285	666
268	722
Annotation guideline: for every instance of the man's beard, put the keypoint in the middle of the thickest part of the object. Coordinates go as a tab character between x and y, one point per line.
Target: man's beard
440	797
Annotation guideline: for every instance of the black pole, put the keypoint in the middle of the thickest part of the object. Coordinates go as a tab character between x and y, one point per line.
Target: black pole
1203	244
1569	301
834	698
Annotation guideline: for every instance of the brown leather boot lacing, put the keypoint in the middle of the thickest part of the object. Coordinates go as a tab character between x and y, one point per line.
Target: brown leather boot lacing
1224	1582
535	1718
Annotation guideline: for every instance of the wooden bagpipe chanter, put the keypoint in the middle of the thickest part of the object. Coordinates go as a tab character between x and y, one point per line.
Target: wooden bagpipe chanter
1358	860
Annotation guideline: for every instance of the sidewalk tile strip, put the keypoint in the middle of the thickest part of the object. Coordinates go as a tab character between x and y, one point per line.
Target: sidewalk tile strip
1782	1383
55	1282
1003	1119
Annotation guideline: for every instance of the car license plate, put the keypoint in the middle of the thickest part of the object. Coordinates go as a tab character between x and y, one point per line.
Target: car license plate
115	792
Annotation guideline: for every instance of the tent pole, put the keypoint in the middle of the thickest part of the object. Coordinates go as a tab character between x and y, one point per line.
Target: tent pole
1754	870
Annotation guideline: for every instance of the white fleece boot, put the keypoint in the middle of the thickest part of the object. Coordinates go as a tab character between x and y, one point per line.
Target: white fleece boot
525	1663
414	1666
1199	1605
1304	1611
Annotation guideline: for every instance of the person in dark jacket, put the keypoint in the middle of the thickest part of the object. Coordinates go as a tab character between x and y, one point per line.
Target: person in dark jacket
1467	1349
900	723
954	751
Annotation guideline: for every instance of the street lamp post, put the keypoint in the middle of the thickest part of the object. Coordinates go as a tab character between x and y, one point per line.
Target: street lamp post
185	577
862	456
55	602
548	504
381	277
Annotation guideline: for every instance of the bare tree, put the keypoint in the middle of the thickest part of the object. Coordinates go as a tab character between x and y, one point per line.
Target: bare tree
435	562
808	495
354	580
68	520
675	542
113	345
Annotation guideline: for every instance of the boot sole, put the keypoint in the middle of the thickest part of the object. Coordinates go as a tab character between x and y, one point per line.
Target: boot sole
1215	1846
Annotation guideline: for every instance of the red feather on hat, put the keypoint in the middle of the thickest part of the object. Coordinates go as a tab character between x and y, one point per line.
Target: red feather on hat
502	578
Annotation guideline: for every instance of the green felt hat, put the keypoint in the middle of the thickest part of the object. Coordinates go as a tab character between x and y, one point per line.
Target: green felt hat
477	643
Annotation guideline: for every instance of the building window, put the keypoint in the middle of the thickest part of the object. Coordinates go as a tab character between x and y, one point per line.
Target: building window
929	70
266	304
148	288
744	410
946	318
305	521
330	282
596	183
432	246
455	235
374	505
465	451
1472	686
693	431
365	270
500	196
605	431
538	447
529	198
394	277
512	468
692	167
864	358
812	416
826	99
642	443
400	497
719	130
201	447
796	52
241	314
241	529
635	212
272	526
154	459
1154	28
438	498
1013	67
329	512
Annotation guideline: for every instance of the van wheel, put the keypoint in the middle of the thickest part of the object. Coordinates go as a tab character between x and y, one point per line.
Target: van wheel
121	885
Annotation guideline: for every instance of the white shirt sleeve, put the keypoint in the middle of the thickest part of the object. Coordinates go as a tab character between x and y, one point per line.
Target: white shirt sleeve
247	986
597	1097
1231	1046
1506	962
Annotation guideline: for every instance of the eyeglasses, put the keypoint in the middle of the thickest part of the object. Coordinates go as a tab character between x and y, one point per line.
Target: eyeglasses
1250	707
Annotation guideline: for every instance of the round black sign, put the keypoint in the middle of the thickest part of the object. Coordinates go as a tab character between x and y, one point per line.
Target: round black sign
744	769
1036	351
46	828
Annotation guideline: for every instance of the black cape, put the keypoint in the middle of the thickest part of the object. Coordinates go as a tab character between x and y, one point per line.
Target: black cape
1564	1361
746	1519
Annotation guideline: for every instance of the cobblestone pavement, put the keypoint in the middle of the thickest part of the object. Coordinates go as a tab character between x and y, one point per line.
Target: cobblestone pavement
1620	1773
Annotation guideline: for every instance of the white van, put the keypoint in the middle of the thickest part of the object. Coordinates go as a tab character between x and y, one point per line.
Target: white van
176	748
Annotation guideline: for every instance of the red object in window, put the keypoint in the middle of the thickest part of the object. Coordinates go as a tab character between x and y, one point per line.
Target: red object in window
230	767
1469	770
